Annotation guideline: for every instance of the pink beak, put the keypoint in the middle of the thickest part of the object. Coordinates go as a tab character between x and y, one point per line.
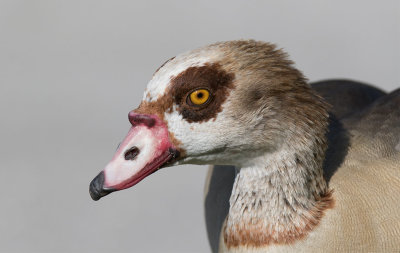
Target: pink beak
144	150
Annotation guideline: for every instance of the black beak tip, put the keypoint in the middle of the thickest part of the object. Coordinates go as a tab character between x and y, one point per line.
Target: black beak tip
96	189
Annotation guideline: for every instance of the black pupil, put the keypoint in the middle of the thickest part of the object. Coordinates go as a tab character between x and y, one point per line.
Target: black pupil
200	95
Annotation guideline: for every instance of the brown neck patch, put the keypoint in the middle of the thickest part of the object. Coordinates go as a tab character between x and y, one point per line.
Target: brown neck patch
256	233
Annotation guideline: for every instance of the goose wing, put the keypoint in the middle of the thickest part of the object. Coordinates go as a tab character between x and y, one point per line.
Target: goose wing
346	96
376	129
218	189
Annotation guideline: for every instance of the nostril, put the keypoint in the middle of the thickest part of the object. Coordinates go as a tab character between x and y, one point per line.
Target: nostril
131	153
136	119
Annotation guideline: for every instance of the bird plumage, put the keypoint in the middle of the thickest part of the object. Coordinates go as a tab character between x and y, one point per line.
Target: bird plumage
311	167
362	166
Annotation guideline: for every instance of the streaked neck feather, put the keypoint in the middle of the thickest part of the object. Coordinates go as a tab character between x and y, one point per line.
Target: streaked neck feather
278	200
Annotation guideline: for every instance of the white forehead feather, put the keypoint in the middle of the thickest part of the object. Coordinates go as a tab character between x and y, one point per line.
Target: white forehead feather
160	81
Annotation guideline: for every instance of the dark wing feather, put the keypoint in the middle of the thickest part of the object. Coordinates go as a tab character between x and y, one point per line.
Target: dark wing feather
217	201
345	96
379	125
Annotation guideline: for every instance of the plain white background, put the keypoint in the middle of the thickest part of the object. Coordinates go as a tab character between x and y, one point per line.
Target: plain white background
70	71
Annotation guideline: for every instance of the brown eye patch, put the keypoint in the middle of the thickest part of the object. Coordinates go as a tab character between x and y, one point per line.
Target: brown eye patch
210	77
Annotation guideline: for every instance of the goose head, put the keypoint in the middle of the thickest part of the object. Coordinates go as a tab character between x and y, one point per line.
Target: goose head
229	103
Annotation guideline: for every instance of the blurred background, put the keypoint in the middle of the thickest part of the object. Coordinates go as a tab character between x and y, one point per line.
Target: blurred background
70	71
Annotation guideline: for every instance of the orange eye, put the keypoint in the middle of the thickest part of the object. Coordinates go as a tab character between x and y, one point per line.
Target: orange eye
199	97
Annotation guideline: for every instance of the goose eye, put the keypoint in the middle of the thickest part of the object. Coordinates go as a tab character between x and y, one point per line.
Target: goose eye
199	97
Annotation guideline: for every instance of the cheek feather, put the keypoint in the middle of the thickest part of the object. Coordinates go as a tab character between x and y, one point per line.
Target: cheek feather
198	138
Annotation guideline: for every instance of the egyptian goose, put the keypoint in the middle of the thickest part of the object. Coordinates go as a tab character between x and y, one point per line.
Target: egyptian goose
297	169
